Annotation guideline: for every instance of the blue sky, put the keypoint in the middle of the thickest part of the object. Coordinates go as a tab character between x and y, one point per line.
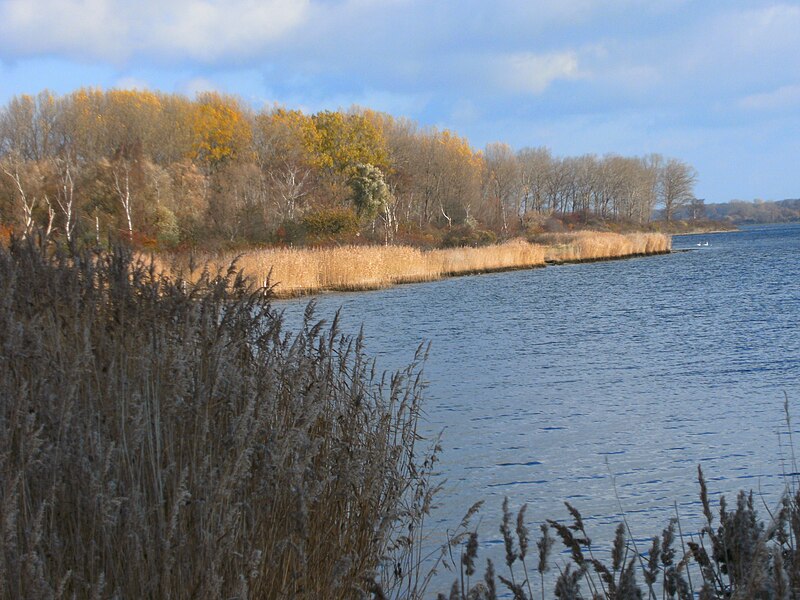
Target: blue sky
713	82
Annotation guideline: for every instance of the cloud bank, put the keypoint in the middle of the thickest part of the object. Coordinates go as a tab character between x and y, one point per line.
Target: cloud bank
208	31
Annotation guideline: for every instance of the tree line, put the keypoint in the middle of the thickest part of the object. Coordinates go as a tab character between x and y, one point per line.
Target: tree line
162	169
757	211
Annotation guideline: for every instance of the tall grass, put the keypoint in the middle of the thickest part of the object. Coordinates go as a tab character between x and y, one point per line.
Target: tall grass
348	268
300	271
734	555
160	439
595	245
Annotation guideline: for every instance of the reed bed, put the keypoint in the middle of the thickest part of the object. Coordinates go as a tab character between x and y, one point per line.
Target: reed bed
595	245
160	439
294	272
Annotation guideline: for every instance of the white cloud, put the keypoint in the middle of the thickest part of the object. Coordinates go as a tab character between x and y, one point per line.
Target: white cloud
197	85
533	73
787	96
207	30
747	44
201	30
84	28
131	83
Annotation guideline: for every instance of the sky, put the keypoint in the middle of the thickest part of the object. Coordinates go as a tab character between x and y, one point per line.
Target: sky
715	83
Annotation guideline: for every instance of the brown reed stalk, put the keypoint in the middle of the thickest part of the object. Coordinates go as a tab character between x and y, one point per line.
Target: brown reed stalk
747	560
160	439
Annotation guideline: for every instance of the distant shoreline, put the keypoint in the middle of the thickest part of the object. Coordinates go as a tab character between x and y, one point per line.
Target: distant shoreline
734	230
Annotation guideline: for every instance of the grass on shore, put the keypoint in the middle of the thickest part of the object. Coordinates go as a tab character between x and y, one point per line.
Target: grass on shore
300	271
169	440
734	556
594	245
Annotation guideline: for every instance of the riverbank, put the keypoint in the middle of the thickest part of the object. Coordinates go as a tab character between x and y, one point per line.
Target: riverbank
694	227
300	271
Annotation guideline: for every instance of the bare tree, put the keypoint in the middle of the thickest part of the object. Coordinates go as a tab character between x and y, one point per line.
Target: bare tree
121	172
51	218
534	168
676	186
502	171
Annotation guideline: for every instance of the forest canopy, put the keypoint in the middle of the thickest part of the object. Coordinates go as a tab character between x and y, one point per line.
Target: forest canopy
163	170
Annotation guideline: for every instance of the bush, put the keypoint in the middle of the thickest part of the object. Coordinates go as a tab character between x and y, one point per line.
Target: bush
320	226
466	236
162	439
166	226
330	223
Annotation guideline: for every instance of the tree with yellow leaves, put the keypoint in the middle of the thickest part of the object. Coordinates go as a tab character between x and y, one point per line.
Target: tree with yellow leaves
339	142
221	130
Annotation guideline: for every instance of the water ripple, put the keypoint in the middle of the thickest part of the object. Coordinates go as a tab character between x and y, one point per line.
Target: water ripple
620	378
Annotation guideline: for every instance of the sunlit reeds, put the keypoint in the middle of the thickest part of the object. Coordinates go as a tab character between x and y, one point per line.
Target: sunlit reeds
295	271
596	245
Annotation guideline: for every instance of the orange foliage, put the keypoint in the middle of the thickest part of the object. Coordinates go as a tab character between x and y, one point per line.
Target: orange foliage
221	131
456	145
287	133
5	235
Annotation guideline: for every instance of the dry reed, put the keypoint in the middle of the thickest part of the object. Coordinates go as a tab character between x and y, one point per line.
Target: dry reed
733	556
168	440
595	245
301	271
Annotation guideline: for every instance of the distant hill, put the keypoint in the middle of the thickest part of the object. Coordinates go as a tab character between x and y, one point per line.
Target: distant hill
741	212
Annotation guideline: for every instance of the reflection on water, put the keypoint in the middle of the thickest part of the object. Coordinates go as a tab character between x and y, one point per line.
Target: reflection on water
546	381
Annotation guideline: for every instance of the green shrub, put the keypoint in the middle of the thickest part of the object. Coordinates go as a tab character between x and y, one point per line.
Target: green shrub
330	223
466	236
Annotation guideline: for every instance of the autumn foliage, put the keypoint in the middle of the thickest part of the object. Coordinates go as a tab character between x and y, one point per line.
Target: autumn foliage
212	172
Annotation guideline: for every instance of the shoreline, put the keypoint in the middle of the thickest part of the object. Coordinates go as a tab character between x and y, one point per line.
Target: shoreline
292	273
712	231
293	294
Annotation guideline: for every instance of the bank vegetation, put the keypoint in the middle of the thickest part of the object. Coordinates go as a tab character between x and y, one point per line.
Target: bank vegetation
160	439
298	271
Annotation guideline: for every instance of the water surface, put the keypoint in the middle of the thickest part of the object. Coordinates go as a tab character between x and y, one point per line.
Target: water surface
547	381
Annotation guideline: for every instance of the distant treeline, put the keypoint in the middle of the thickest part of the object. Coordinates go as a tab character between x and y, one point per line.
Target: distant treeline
161	169
742	212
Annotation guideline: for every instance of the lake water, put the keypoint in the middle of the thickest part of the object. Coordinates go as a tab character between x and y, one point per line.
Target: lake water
547	381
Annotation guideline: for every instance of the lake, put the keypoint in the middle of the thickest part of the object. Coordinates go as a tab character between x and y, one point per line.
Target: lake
547	381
